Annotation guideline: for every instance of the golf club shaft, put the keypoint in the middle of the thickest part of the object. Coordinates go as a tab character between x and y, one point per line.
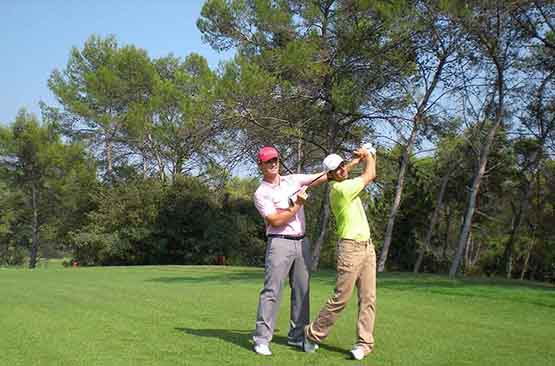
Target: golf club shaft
314	180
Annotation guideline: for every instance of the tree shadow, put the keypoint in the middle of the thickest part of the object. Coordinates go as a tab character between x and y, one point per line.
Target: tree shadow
221	277
491	288
243	338
406	279
537	294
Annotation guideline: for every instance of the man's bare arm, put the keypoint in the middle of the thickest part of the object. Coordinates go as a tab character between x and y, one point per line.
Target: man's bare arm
369	173
322	178
351	164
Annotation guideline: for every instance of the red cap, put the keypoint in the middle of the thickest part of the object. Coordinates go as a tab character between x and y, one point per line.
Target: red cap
267	153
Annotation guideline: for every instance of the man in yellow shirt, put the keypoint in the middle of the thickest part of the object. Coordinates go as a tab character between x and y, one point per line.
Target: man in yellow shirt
356	257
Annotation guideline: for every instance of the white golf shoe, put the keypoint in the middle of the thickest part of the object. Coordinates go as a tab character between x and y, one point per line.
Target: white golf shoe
358	352
262	349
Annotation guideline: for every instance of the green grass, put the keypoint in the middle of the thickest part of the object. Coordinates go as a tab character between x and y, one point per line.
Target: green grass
204	316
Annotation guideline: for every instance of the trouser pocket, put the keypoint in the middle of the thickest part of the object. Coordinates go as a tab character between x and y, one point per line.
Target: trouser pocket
348	256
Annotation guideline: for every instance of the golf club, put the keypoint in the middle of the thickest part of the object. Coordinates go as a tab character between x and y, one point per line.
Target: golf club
291	196
368	146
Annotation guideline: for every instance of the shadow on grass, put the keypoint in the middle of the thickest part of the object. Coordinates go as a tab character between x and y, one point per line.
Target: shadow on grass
534	293
525	292
243	338
219	277
424	279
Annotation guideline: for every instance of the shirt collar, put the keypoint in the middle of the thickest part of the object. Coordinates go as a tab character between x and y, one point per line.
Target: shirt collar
273	185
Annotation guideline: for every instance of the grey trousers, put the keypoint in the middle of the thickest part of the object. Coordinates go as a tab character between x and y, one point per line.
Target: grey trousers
284	258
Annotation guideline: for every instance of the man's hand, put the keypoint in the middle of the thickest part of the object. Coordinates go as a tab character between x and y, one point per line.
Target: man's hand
371	149
298	198
282	216
302	196
361	153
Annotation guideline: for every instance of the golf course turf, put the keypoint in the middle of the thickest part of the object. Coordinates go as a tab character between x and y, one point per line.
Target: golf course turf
204	315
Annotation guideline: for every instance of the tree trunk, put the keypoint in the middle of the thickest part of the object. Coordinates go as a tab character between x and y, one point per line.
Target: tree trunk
145	160
476	255
484	154
509	246
471	206
539	208
468	252
299	156
34	228
109	158
177	167
333	128
397	200
324	219
447	230
404	163
526	260
156	154
517	220
145	169
433	221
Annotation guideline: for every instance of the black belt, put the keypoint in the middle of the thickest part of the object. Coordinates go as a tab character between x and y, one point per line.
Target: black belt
288	237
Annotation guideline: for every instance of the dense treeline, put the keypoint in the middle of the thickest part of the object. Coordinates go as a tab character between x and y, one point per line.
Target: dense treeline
146	222
134	164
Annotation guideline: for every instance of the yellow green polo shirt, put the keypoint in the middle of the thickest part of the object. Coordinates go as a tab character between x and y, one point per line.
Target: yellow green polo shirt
347	208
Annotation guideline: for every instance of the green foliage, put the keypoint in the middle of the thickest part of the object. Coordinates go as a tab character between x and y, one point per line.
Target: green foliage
309	77
179	132
11	237
101	90
45	180
146	222
119	230
305	67
132	111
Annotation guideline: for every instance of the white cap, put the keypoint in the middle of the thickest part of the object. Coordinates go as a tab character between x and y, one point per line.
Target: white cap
332	161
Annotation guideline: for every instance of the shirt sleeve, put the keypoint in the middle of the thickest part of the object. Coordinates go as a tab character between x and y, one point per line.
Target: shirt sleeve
350	188
264	205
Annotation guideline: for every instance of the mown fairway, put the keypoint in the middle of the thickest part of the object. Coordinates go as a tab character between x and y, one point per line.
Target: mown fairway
204	316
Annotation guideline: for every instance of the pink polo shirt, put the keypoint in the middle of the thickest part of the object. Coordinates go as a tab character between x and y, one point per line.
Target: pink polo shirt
270	199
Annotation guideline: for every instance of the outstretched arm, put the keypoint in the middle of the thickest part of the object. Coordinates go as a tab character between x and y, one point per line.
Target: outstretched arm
317	179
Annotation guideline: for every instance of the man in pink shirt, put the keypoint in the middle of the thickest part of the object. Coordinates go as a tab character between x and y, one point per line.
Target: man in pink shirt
280	200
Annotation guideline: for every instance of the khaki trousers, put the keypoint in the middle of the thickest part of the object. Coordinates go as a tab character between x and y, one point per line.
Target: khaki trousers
356	266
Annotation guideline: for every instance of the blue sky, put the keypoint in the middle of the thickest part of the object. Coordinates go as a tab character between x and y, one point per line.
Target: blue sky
36	37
